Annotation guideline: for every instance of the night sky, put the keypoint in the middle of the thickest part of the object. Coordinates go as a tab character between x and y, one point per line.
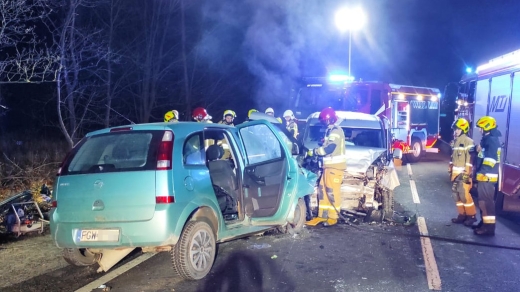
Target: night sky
417	42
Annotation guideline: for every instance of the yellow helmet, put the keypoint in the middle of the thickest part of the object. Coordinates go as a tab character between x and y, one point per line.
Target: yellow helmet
229	112
487	123
461	124
250	112
171	115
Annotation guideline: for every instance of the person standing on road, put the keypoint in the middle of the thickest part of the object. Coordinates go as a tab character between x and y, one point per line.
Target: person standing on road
228	118
290	119
461	170
487	173
334	165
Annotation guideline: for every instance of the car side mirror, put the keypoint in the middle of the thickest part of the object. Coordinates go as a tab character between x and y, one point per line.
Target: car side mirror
295	149
398	153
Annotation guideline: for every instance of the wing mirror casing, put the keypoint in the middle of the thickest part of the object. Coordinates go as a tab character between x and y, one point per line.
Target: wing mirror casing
398	153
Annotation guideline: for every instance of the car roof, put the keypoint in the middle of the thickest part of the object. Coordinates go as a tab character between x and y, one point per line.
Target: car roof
181	128
350	119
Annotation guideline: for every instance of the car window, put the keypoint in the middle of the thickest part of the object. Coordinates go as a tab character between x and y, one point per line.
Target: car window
285	139
123	151
353	136
260	144
192	151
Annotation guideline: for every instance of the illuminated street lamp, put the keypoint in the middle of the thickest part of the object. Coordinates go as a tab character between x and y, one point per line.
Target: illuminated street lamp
350	19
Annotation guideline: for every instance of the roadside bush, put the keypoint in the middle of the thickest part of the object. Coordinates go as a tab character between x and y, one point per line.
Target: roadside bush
27	164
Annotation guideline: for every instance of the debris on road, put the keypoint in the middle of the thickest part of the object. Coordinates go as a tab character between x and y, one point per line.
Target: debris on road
274	257
259	246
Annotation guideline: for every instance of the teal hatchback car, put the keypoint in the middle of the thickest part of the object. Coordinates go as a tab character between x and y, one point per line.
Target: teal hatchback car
178	187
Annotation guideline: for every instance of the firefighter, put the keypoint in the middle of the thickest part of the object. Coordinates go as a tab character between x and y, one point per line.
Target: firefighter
461	171
201	115
290	120
269	111
228	118
250	112
487	173
334	165
171	116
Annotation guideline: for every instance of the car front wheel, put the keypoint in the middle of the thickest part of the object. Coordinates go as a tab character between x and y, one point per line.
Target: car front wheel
194	253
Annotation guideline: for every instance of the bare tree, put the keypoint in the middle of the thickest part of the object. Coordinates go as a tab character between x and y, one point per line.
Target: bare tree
24	56
80	50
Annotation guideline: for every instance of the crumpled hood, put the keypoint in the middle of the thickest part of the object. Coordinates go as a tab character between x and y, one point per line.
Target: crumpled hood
359	158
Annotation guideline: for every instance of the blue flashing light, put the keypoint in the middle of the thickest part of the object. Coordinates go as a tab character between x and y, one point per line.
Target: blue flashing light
338	78
469	70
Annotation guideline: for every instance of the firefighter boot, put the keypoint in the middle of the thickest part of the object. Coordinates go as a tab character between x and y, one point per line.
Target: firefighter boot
479	224
470	220
315	221
486	230
330	222
459	220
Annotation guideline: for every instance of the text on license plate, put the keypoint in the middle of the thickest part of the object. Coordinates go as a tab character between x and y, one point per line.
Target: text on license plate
97	235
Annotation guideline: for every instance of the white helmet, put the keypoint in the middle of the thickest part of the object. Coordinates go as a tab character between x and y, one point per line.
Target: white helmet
288	113
269	110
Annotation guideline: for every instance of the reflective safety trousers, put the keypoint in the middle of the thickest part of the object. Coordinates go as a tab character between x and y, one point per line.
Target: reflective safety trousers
329	193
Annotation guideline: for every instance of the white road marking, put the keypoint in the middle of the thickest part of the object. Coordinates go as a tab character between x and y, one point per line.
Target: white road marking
415	195
432	271
409	168
115	273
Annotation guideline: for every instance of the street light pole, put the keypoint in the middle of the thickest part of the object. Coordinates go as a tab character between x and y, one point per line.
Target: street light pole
350	19
349	50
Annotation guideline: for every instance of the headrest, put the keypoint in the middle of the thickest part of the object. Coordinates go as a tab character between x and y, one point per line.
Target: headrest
214	152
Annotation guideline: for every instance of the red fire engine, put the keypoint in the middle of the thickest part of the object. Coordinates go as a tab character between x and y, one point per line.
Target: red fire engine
494	90
413	111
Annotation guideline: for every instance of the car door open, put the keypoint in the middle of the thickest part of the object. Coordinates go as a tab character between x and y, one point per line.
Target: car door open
265	173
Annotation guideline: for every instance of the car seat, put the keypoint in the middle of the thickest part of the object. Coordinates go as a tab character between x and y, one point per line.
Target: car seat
222	176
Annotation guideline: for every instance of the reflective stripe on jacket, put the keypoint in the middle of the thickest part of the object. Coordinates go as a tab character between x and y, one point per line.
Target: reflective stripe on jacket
461	156
333	148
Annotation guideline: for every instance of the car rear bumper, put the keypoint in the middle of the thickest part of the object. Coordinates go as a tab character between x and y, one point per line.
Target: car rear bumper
158	231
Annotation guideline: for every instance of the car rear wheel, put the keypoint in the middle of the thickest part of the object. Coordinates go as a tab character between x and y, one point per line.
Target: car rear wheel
79	257
417	151
194	254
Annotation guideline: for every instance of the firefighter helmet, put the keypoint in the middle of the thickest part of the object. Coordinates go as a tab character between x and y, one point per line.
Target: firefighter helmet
200	114
250	112
269	110
229	113
169	116
288	113
487	123
328	116
462	124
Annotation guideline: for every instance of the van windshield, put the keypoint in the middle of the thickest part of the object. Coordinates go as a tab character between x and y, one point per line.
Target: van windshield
120	151
353	136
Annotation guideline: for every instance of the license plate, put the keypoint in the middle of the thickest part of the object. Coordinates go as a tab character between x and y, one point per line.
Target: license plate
104	235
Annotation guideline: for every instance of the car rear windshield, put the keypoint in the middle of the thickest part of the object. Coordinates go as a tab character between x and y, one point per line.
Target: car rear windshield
114	152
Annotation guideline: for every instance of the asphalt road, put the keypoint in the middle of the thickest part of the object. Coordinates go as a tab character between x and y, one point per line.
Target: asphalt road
364	257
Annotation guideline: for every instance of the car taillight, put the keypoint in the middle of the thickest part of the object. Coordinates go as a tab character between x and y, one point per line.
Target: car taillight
54	204
164	153
165	200
63	163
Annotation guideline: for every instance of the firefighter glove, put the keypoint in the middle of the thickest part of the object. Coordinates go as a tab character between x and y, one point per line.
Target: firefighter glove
310	153
466	178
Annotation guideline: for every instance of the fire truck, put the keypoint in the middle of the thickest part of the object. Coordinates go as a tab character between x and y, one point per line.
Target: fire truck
413	111
494	90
